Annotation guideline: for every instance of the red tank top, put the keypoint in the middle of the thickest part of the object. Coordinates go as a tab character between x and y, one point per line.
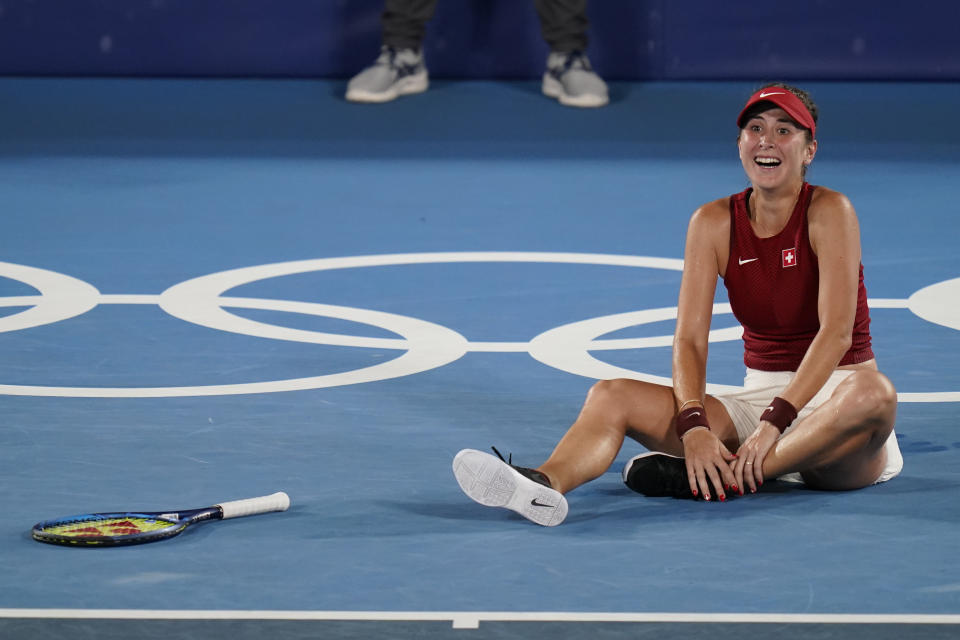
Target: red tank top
772	285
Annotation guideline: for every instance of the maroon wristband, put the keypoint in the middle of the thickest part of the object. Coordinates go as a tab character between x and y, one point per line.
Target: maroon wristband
691	419
780	414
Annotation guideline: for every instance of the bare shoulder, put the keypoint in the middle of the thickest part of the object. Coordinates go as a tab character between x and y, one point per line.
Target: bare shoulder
708	236
829	208
716	208
712	215
832	222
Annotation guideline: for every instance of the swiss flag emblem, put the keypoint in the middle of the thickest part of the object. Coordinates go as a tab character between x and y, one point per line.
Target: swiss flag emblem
789	258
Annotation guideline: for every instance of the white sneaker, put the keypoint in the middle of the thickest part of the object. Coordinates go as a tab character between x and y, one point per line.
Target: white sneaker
394	73
570	79
496	483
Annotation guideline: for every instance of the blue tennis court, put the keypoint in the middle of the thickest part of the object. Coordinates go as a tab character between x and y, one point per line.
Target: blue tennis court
217	289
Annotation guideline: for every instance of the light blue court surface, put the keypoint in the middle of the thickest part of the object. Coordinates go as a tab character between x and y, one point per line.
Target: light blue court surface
449	271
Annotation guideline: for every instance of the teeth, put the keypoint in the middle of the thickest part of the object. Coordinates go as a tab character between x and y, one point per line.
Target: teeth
770	162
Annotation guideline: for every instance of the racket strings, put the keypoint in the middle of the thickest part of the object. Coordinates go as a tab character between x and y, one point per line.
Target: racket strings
107	527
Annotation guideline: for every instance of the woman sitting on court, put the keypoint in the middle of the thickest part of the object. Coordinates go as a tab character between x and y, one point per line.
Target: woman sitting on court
814	405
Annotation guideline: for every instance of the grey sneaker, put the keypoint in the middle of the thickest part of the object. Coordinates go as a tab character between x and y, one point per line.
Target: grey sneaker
497	483
394	73
570	79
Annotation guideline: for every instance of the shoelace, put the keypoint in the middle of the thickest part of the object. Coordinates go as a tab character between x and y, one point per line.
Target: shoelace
576	59
508	460
532	474
388	57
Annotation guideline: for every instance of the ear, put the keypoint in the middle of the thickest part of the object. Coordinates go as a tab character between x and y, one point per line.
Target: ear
810	152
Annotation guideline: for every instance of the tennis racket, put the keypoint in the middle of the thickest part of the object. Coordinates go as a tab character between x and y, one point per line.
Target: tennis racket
124	528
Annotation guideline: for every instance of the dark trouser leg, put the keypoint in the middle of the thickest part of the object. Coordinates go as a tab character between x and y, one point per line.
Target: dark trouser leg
563	24
404	22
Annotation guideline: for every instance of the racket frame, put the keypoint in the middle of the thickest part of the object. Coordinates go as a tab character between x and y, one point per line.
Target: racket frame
179	521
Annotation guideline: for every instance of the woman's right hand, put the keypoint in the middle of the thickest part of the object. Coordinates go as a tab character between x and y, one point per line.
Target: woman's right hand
708	464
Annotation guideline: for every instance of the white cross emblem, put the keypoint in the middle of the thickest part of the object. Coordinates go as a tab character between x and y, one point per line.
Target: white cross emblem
789	258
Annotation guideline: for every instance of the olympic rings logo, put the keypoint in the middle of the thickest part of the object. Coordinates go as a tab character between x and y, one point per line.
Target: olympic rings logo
422	345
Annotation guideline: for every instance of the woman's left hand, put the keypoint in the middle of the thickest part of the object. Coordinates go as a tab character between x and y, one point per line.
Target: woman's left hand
748	467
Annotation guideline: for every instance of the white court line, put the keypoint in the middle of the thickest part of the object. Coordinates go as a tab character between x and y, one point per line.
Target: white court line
888	303
120	298
472	619
498	347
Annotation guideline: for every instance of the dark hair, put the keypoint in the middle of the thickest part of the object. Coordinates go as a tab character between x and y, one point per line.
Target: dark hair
805	98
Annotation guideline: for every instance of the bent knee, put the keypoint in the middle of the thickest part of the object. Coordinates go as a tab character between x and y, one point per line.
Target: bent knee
872	398
609	393
872	390
612	389
623	399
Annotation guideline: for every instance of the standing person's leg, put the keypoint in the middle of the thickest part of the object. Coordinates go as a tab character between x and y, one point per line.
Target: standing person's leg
563	24
405	22
569	76
400	69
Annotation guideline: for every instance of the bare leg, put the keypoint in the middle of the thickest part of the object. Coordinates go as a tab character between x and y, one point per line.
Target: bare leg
613	410
841	444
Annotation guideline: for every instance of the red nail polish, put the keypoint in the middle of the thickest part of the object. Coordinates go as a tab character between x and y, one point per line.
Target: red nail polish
695	493
723	498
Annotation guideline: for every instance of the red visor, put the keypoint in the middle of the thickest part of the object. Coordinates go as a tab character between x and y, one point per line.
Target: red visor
787	101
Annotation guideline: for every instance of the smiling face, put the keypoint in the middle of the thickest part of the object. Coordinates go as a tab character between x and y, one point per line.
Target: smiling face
774	150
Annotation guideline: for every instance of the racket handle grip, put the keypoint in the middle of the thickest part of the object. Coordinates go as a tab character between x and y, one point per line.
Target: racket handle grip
237	508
